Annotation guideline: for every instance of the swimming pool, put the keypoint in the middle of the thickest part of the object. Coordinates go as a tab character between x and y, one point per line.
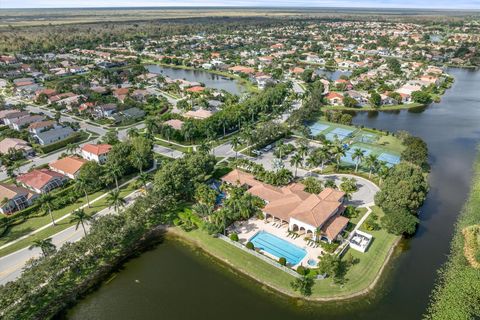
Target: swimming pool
278	247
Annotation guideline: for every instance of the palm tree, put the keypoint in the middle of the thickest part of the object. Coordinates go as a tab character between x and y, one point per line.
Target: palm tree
80	217
115	200
45	202
45	245
338	152
143	178
322	155
114	172
358	155
371	161
235	144
81	185
202	210
138	160
205	147
295	161
383	171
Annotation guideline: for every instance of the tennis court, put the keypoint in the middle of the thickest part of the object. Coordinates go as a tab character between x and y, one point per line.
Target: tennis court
389	158
366	137
317	128
340	133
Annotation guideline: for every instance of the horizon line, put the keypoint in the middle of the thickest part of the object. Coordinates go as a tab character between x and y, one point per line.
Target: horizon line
247	7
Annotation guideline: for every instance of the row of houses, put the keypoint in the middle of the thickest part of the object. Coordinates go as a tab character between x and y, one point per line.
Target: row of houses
32	184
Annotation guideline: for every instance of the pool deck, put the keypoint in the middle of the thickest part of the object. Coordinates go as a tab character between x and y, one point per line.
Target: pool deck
247	229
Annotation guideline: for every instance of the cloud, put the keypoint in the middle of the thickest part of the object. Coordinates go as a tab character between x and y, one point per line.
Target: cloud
446	4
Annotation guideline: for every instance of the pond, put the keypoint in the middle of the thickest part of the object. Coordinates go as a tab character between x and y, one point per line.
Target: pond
332	74
177	282
209	79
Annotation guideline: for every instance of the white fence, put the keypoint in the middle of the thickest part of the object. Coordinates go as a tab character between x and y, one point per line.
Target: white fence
260	256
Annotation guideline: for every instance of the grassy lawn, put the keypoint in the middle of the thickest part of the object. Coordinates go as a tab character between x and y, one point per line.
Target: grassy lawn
360	276
35	223
172	146
391	143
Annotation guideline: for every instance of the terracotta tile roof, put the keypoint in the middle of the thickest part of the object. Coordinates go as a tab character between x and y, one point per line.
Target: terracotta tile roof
70	165
291	201
38	178
97	149
174	123
334	226
41	124
238	177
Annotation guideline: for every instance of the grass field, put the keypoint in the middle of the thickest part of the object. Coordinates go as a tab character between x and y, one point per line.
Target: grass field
360	276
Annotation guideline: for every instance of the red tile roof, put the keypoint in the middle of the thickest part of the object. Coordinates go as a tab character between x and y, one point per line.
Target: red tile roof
97	149
38	178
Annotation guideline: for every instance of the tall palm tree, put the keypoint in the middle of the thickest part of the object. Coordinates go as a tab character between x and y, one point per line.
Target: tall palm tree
45	202
143	178
115	200
45	245
80	217
138	160
338	152
322	155
383	171
358	156
372	162
113	173
81	186
205	147
295	161
235	144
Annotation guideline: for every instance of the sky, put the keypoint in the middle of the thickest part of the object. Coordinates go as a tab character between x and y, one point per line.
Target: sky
440	4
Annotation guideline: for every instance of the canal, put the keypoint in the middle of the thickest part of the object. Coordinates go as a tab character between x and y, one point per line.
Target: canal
175	281
210	80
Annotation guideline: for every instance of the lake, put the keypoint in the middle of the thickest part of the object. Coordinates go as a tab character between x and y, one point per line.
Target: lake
209	79
174	281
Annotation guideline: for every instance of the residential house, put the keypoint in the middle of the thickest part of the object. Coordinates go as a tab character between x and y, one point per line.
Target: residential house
69	166
317	215
15	198
174	123
41	180
96	152
40	126
15	144
19	124
334	98
105	110
53	135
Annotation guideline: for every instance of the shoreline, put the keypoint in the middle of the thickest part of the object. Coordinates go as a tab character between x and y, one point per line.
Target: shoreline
182	236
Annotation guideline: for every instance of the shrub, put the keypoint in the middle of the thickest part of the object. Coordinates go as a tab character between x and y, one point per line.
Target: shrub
302	270
234	237
371	223
250	245
282	261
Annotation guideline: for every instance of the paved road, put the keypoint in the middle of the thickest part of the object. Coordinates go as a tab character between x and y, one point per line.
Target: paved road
167	152
11	265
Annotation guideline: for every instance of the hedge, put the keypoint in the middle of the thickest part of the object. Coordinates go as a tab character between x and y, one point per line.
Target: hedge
76	137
